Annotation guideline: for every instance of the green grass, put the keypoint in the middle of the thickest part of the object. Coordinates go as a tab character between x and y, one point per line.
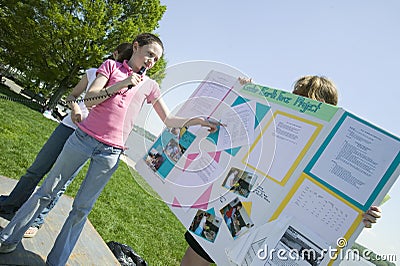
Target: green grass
124	212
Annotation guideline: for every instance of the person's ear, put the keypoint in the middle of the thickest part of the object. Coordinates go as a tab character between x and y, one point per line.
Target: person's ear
135	46
115	54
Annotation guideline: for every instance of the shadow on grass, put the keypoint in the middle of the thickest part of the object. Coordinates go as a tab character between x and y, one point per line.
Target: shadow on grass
8	95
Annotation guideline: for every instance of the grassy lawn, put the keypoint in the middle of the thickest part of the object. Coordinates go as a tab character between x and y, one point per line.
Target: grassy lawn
124	212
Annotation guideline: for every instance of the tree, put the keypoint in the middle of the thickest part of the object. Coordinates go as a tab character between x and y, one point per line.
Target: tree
53	41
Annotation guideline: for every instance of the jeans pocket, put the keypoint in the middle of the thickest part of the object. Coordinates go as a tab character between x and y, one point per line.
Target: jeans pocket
115	151
80	134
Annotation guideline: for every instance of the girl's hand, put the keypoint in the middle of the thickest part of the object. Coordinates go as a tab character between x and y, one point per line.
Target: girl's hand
76	115
370	217
134	79
212	124
243	80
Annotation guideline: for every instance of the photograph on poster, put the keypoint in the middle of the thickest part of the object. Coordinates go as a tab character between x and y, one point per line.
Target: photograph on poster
236	218
154	159
299	245
167	150
239	181
205	225
283	241
173	151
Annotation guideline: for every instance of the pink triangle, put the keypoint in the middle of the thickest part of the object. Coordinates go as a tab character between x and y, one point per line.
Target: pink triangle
192	156
176	203
215	155
202	201
190	159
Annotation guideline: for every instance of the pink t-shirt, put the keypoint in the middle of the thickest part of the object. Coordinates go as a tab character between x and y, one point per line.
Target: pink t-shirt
111	121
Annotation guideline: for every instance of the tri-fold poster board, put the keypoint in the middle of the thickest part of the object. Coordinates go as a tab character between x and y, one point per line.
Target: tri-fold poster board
283	173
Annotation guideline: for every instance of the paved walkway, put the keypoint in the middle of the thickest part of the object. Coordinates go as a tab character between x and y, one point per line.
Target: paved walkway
89	250
12	85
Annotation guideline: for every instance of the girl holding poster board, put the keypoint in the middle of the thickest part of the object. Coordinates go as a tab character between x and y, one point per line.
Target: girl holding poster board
314	87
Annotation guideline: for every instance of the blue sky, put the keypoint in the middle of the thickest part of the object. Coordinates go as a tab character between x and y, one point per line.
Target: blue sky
355	43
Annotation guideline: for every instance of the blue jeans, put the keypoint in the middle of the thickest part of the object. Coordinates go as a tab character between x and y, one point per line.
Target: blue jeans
78	149
45	159
40	218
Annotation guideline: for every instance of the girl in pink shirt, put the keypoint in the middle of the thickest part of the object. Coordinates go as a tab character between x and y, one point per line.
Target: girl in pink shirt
100	138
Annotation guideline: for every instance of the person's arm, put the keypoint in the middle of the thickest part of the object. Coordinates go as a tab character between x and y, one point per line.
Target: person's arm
370	217
98	93
172	121
76	112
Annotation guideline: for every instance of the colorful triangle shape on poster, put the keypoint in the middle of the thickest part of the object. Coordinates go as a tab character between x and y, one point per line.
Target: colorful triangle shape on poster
176	203
190	159
239	100
202	201
211	211
261	111
213	137
247	206
233	151
215	155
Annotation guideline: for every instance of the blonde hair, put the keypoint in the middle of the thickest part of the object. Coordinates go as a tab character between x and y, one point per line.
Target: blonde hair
317	88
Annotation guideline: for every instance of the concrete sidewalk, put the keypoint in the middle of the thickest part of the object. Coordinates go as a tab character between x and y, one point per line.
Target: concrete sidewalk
89	250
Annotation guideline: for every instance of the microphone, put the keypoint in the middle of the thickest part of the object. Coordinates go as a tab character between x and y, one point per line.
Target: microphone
140	72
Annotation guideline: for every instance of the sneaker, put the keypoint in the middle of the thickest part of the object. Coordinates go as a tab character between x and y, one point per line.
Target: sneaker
6	213
3	197
7	248
6	209
31	232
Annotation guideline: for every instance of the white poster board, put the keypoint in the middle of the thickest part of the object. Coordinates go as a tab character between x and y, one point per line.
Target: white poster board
281	157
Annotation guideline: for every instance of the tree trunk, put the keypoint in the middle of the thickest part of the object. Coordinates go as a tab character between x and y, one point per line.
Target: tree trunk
57	96
62	88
